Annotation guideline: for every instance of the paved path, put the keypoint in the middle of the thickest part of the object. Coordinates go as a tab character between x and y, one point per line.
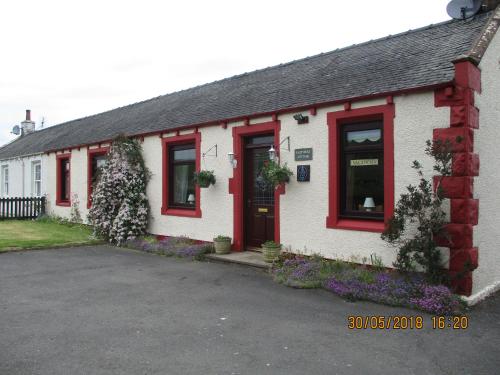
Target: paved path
101	310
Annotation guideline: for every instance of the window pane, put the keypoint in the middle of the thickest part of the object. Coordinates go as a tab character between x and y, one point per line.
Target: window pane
262	140
64	180
38	172
185	154
364	137
98	162
364	183
183	184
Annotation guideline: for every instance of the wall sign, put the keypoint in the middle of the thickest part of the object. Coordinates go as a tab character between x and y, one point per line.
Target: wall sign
302	154
363	162
303	173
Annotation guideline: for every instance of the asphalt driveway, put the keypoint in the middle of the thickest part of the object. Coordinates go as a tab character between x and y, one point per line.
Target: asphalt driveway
101	310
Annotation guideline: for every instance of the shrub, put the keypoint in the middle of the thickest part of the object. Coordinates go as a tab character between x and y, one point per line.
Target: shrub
120	206
419	217
75	215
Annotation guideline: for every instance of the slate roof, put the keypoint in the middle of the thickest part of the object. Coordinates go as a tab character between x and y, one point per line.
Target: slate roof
412	59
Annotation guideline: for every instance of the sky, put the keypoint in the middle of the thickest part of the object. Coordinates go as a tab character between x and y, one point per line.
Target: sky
66	59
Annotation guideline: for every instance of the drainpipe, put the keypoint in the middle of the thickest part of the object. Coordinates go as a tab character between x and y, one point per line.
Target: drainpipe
23	177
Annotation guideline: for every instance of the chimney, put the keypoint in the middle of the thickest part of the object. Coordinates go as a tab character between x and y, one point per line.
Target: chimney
490	4
27	126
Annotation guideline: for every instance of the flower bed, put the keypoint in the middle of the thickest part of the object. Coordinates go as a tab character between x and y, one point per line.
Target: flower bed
181	247
354	282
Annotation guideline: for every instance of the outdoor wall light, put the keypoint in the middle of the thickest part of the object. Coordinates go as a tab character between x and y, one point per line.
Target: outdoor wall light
272	154
301	119
232	159
369	204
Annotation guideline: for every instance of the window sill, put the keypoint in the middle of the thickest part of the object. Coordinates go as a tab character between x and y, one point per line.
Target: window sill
63	203
181	212
355	224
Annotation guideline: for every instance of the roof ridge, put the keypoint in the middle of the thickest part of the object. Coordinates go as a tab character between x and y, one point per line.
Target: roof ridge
134	117
390	36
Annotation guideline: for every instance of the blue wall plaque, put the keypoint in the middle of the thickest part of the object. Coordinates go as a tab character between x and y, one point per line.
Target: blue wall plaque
303	173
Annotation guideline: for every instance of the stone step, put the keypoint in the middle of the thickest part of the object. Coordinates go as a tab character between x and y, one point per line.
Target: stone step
247	258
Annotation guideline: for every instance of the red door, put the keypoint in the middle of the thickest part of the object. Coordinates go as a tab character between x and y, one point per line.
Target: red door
259	195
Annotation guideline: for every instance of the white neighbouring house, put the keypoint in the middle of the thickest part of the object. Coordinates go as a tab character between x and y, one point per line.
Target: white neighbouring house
22	175
367	111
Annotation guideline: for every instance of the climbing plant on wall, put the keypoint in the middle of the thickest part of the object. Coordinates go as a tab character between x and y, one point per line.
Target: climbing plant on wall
120	206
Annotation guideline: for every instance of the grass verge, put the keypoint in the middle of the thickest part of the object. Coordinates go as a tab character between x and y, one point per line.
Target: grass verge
35	234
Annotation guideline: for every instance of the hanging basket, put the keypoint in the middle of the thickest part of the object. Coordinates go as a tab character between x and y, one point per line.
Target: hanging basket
204	178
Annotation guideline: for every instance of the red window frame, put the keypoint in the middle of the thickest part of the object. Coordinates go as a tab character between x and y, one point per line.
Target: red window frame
166	143
335	121
59	182
91	154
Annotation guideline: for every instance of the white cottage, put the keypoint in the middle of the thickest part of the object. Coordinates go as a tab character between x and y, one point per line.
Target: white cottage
348	122
21	174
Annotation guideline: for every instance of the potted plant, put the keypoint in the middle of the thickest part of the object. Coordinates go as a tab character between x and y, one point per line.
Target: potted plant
276	174
271	251
222	244
204	178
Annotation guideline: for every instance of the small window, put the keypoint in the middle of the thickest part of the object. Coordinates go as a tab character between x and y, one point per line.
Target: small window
64	177
362	171
5	180
98	161
182	165
36	173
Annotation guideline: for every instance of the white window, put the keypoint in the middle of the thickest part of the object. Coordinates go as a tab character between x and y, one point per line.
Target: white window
5	180
36	178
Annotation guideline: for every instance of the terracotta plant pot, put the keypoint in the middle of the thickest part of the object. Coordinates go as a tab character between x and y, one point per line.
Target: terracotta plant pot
271	253
222	246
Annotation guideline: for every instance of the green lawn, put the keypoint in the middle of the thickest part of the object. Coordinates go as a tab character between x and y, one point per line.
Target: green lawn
20	234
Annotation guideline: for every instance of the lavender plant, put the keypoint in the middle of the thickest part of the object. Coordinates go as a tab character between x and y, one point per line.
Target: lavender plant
354	282
120	207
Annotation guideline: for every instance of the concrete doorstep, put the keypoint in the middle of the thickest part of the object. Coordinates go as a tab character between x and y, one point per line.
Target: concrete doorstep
248	258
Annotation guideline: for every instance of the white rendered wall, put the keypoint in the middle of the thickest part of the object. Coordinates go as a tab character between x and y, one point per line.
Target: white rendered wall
216	202
304	207
78	181
487	233
21	176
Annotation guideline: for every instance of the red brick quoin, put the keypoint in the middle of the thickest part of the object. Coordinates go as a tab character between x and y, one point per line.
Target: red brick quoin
459	187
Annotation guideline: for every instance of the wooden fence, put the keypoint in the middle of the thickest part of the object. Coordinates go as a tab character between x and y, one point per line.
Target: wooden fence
21	208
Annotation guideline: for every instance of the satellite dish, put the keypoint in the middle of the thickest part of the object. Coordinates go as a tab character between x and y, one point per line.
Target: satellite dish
463	9
16	130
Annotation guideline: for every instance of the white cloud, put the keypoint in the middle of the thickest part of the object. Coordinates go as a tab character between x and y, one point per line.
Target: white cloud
66	60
